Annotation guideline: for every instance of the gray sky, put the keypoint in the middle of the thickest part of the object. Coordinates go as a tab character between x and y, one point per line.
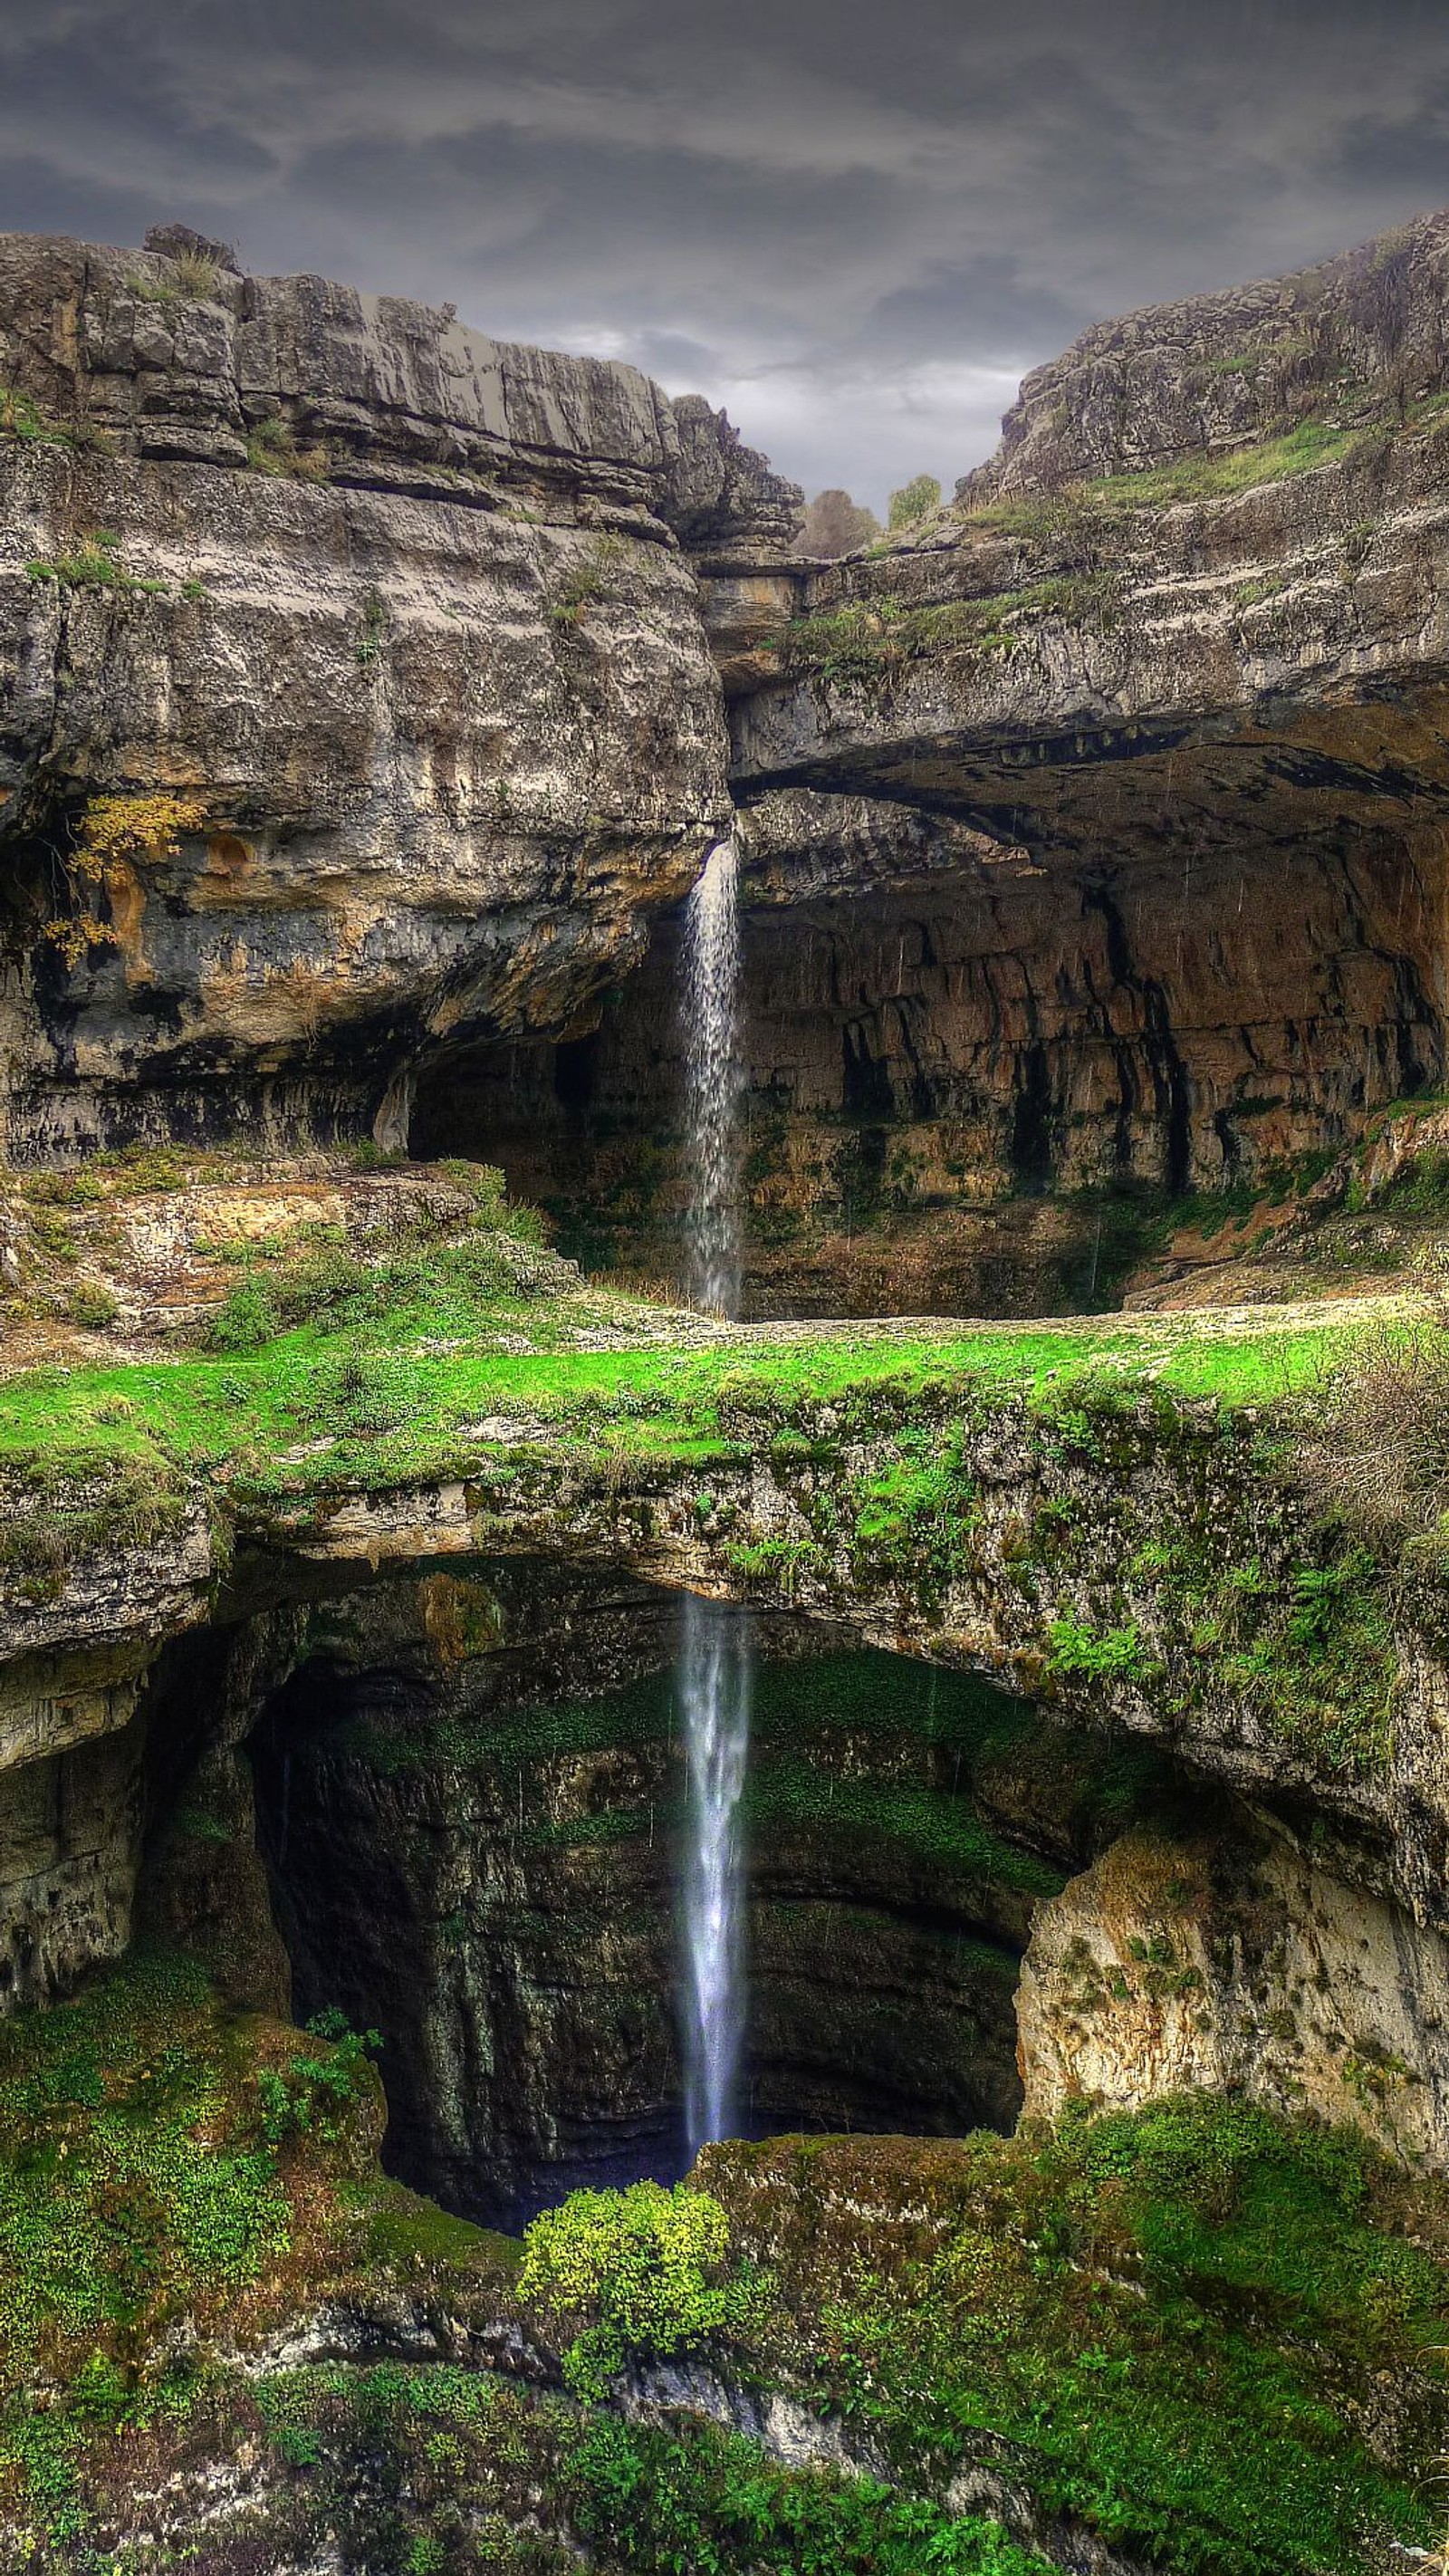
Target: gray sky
855	225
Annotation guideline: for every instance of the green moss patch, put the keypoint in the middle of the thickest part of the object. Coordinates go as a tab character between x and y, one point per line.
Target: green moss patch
1177	2319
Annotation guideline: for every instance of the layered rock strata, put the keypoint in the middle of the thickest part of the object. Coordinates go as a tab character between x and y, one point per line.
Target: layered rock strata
402	612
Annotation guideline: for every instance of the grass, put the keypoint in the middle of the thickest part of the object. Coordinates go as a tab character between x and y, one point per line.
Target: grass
873	640
189	276
90	1457
479	1358
242	1408
274	448
1204	477
92	563
23	420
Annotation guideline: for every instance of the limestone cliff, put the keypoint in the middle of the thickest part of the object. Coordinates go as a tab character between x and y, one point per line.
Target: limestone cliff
403	611
1096	828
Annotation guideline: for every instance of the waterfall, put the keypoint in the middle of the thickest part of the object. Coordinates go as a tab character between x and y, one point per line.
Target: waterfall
713	1680
714	1085
713	1667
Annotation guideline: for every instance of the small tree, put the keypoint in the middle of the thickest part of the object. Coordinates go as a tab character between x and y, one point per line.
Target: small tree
114	832
915	502
835	524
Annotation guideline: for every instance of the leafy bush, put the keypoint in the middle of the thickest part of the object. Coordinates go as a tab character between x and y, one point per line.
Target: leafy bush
1097	1654
915	502
114	832
315	2090
710	2502
91	1304
649	2268
247	1318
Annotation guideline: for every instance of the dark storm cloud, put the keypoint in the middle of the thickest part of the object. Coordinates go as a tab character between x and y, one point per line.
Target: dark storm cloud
856	224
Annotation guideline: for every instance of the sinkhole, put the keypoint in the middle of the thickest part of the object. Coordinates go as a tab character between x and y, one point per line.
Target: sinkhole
480	1854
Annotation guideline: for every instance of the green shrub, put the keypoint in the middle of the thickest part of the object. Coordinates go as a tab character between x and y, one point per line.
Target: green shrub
246	1319
661	2501
315	2090
374	630
915	502
649	2269
91	1304
1098	1654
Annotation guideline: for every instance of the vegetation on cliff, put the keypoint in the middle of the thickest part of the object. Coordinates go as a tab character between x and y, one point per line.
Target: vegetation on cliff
1122	1485
1203	2333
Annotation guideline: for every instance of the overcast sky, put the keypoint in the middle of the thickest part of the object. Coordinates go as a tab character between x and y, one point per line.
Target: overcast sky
855	222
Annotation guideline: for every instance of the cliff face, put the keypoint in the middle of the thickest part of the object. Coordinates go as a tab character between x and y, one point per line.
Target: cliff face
959	1054
1094	831
470	1794
403	614
1179	654
1357	339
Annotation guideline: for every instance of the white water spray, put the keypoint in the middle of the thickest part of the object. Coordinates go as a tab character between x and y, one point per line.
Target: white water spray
713	1671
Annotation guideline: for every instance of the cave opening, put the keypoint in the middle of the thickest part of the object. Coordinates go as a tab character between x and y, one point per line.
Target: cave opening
484	1866
957	1092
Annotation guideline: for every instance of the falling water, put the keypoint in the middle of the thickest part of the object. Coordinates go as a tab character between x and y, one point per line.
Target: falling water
714	1674
715	1082
713	1671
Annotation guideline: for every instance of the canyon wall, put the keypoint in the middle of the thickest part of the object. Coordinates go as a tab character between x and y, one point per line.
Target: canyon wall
1094	830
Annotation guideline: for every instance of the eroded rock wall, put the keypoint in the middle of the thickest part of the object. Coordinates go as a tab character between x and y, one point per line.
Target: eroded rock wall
486	1869
959	1058
1237	1964
403	611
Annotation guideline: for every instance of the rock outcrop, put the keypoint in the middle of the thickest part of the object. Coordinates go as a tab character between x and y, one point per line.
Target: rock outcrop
1358	339
1235	1964
402	613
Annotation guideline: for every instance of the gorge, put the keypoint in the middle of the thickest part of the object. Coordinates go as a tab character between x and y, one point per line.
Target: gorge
622	1145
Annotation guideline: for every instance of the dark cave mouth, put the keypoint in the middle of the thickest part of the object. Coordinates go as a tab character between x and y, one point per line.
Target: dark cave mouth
491	1880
